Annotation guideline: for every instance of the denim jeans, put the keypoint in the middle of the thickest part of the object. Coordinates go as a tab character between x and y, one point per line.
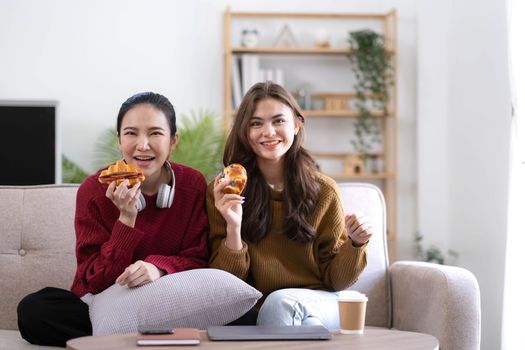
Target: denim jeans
298	306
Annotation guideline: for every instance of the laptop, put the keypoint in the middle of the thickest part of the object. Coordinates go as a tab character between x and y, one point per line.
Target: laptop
218	333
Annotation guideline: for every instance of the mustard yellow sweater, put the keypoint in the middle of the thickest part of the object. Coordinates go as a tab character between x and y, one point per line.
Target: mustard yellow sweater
330	262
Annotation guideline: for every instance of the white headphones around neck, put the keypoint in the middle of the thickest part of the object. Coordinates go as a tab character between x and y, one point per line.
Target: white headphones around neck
165	195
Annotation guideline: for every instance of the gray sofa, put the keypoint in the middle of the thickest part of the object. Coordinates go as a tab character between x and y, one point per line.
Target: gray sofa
38	245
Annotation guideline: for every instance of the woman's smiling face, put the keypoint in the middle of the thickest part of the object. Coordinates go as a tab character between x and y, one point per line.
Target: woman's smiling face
271	130
145	139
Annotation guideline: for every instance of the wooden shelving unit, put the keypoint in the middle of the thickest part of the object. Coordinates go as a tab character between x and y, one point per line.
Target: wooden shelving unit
289	50
292	50
322	113
385	174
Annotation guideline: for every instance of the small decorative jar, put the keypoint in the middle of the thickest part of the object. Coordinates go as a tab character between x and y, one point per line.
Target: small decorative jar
250	38
321	38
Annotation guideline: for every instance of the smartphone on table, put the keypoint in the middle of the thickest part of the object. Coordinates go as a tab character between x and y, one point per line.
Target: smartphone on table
154	330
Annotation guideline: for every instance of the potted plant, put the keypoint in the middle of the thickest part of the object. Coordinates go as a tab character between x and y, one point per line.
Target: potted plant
373	69
201	143
72	173
432	254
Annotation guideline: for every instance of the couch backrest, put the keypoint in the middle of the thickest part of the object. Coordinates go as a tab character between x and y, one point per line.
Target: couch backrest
374	281
37	243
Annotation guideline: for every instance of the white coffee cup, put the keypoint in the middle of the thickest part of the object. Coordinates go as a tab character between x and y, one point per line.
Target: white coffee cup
352	312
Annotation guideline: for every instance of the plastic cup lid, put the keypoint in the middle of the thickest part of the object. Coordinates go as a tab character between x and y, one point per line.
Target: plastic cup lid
352	295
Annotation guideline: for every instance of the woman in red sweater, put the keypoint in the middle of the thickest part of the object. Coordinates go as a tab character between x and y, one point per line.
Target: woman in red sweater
129	236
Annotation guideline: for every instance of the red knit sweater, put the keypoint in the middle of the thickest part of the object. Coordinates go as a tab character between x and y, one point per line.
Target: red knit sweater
172	239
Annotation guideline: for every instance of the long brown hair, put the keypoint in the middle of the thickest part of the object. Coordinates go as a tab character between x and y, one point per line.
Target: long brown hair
300	186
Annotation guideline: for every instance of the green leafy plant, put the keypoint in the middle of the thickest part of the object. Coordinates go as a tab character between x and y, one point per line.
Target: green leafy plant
201	144
72	173
373	69
433	253
106	149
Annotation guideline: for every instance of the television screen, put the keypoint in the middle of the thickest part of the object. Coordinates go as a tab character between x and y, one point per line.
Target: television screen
28	144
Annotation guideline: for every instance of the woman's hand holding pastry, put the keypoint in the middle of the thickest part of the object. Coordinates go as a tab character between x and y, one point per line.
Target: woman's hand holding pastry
229	205
139	273
359	229
125	199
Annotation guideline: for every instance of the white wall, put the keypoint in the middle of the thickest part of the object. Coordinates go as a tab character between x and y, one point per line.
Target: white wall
91	55
463	133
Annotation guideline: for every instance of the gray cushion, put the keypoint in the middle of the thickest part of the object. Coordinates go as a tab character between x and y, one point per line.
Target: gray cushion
196	298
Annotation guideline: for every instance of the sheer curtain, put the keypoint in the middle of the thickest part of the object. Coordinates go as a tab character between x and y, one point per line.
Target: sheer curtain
513	335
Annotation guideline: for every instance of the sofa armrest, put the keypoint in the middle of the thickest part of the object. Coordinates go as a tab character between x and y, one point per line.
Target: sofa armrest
443	301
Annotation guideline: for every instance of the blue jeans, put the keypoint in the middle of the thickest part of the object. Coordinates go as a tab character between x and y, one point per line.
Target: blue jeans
298	306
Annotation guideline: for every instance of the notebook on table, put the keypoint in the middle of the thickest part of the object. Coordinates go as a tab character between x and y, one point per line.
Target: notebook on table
218	333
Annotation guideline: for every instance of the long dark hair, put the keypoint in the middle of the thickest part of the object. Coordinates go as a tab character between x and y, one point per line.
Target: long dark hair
300	186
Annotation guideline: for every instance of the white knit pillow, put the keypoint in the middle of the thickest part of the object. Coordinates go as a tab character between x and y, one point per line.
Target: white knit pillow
195	298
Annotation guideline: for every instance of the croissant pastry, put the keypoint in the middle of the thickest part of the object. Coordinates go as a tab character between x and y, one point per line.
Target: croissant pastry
121	171
238	178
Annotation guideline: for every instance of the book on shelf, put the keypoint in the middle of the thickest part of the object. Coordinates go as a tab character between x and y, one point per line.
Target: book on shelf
236	83
180	336
275	75
250	72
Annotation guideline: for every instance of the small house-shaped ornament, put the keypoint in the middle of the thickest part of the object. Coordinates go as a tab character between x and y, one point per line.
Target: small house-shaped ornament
354	165
285	38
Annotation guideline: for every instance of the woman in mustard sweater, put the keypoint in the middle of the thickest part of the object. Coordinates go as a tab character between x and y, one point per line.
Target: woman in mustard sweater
287	234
